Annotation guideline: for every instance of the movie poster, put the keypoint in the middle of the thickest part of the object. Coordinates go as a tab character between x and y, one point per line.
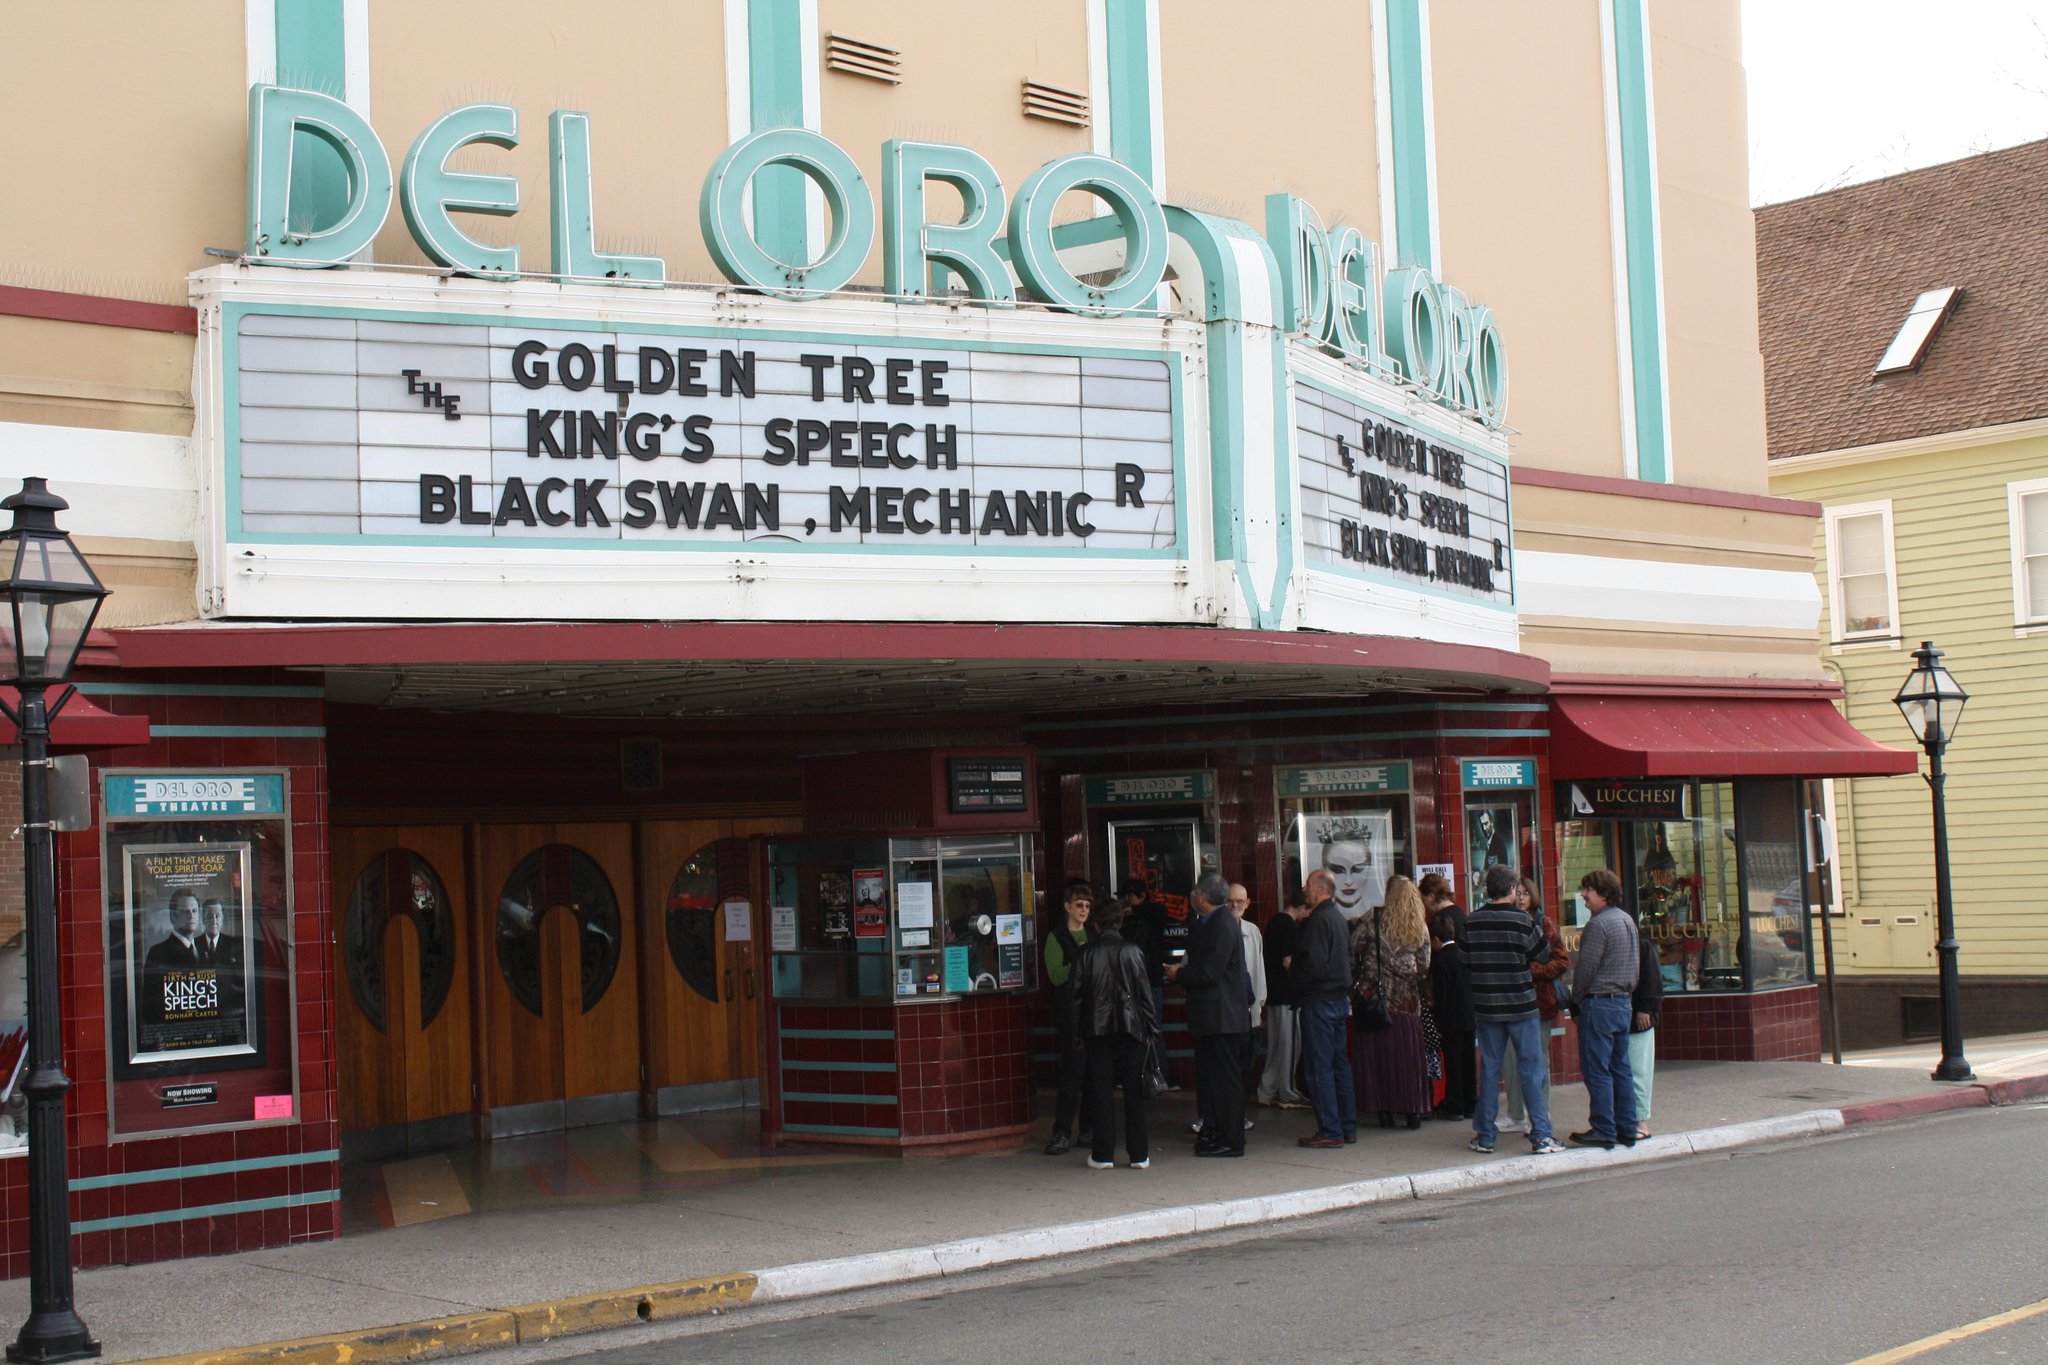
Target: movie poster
870	903
188	924
835	904
1490	841
1356	848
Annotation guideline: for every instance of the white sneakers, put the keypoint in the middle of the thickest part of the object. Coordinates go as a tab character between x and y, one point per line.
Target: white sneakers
1095	1165
1547	1147
1514	1125
1144	1165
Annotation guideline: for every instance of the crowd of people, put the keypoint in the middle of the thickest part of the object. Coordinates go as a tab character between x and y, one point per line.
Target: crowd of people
1413	1010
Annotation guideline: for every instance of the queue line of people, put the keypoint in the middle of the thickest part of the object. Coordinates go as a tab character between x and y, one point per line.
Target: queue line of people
1364	1015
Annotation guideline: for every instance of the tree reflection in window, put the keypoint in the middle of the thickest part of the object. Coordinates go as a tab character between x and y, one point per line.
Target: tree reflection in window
398	882
557	877
692	921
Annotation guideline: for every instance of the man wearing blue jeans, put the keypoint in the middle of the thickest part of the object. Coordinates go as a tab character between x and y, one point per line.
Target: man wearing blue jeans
1603	982
1500	944
1322	976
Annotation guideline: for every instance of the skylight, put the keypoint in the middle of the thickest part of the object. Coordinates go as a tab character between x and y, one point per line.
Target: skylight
1929	311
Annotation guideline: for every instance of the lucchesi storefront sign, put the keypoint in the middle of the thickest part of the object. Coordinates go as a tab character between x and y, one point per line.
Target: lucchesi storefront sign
514	419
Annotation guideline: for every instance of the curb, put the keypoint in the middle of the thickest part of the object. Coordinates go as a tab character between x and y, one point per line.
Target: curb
535	1322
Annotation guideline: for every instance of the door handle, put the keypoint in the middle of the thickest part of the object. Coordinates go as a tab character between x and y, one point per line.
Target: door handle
728	983
750	981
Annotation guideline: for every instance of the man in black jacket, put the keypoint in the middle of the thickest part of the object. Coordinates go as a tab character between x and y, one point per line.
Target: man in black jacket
1219	991
1322	982
1114	1014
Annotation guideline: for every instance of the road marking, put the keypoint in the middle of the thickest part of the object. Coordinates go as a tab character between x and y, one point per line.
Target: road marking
1955	1334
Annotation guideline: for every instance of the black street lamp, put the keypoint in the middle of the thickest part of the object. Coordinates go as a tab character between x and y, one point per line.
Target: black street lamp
50	598
1932	700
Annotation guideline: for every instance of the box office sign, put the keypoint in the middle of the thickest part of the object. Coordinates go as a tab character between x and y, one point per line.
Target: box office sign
1387	502
1618	799
453	432
1348	779
195	794
1496	774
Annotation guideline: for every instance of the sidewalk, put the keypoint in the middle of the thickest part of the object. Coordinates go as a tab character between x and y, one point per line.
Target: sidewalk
768	1236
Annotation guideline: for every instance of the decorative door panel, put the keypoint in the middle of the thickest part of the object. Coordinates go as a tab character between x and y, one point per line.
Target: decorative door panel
560	985
702	983
403	950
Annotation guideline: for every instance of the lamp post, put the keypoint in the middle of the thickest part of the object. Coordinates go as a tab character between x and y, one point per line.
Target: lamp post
1932	701
51	596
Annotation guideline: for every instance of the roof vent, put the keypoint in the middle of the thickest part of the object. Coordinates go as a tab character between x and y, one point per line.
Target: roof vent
1916	333
855	57
1055	105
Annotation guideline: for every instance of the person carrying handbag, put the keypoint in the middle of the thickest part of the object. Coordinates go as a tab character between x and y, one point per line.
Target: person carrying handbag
1391	953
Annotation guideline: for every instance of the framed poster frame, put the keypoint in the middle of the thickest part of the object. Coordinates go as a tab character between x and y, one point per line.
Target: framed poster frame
243	816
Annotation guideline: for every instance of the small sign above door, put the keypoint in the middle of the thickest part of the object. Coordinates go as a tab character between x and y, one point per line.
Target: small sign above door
982	786
1145	789
1619	799
1341	779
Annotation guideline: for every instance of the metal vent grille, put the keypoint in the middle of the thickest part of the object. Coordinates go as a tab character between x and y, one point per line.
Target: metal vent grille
1055	105
640	765
855	57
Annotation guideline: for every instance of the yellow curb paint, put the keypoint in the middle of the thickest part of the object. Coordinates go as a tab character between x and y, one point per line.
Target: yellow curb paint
424	1189
1954	1335
400	1341
624	1307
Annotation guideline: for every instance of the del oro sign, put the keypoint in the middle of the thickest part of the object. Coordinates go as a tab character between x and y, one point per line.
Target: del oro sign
1335	287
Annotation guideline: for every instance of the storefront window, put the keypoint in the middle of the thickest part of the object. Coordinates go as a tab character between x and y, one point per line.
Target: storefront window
1717	965
1774	882
1351	821
903	919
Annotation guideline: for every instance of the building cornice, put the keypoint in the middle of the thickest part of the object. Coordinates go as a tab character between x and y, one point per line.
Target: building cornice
1912	445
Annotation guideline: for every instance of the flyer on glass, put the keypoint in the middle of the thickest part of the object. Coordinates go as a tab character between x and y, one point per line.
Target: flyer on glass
188	922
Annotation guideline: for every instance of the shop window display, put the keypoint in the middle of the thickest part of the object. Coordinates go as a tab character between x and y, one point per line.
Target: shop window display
902	919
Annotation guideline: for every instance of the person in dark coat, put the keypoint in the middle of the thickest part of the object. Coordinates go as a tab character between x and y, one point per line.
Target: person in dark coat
1648	1004
1283	1013
1063	945
1450	981
1115	1018
1219	1006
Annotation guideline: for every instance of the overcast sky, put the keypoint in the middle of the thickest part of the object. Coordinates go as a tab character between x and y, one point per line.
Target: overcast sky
1849	90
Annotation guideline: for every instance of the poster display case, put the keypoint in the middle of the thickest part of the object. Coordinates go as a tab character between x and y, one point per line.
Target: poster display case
906	920
1351	820
197	876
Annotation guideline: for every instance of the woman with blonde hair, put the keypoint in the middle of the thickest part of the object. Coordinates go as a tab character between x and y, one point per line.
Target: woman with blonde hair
1390	959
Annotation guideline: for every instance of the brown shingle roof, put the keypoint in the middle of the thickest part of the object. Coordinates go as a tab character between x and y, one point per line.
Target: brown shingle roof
1837	273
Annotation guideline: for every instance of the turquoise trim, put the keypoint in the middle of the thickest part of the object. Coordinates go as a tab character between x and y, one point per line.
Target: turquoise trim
775	89
143	1220
238	731
312	54
842	1129
1182	746
1283	477
1639	228
233	313
812	1097
253	1163
196	690
838	1033
1408	97
788	1065
1320	713
1127	31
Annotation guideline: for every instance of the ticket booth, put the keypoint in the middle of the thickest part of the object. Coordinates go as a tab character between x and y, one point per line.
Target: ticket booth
902	942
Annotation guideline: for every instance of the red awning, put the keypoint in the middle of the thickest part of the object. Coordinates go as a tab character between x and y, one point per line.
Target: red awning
1718	736
80	725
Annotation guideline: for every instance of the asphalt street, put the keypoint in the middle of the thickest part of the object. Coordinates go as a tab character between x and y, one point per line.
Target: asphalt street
1829	1250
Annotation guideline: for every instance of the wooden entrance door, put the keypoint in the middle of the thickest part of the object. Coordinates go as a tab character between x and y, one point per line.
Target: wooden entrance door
703	985
403	951
558	970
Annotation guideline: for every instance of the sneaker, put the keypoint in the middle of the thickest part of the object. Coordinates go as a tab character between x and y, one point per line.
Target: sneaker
1060	1145
1291	1104
1249	1125
1514	1125
1095	1165
1546	1147
1481	1146
1197	1127
1142	1164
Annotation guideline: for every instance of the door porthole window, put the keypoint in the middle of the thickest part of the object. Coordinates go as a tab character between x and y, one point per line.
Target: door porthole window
551	878
398	882
691	918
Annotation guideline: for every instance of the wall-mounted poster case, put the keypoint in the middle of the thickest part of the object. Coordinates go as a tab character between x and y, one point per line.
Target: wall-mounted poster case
196	867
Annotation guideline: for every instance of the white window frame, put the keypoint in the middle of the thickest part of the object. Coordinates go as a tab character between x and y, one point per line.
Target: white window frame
2016	533
1893	633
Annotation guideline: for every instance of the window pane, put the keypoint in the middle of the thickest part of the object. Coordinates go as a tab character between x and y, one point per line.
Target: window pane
1718	964
1866	604
1859	541
2036	571
1774	883
2034	524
